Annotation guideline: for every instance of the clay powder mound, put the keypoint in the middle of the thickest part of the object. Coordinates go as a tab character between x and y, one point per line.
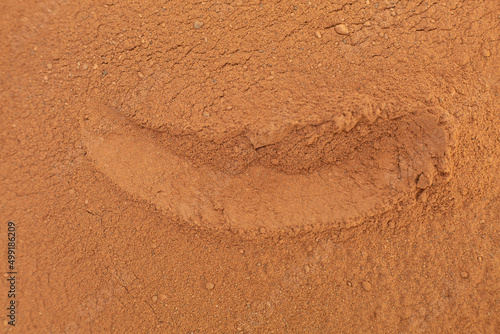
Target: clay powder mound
235	134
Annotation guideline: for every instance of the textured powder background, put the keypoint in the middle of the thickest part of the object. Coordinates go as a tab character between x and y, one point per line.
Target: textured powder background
252	166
